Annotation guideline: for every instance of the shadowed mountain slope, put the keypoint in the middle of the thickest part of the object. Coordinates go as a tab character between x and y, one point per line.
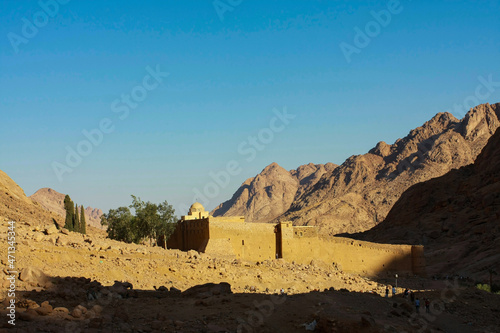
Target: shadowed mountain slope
456	216
358	194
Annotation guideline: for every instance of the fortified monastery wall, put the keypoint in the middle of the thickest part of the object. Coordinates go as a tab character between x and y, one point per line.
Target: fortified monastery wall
232	237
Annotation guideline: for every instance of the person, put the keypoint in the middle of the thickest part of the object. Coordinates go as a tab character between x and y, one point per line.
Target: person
386	292
405	294
417	305
412	297
427	306
393	291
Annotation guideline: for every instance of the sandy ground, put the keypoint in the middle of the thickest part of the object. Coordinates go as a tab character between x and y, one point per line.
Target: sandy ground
67	284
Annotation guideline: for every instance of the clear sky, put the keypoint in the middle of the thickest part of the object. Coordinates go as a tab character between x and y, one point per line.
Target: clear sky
341	75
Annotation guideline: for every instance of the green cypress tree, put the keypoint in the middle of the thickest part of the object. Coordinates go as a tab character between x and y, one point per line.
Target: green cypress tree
77	226
70	212
83	223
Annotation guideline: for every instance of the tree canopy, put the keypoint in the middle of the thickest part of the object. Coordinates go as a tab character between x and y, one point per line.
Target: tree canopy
151	222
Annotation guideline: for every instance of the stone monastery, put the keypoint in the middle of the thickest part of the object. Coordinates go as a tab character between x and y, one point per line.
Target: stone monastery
234	238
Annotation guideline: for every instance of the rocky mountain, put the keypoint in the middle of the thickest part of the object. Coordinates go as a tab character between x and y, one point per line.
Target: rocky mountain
358	194
456	216
16	206
270	193
54	201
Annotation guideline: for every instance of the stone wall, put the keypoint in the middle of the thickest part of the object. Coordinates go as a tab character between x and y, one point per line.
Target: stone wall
234	238
246	241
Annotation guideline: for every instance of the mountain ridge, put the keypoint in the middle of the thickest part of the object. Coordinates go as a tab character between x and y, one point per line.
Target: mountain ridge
53	201
358	194
270	193
16	206
454	216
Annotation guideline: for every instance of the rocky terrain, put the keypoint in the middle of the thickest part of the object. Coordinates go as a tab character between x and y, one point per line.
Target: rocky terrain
68	282
15	205
455	216
54	201
358	194
270	193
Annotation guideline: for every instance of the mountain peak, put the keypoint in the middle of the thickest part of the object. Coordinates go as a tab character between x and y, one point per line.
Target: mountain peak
358	194
270	193
53	201
14	205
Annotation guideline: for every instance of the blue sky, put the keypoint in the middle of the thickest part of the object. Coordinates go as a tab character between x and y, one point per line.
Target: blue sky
230	63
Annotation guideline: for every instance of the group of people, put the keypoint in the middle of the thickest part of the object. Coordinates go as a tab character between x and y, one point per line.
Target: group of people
414	300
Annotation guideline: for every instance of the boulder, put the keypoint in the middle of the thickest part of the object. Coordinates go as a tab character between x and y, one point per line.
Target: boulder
51	230
62	241
34	276
45	309
38	237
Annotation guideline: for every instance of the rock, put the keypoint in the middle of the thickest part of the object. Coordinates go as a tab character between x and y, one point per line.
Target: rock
51	230
175	290
45	309
162	288
77	313
90	314
97	309
64	231
62	241
61	310
38	237
27	304
33	275
52	239
121	288
192	254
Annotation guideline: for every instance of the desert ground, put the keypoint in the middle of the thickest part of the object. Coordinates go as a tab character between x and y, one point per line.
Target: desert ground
69	282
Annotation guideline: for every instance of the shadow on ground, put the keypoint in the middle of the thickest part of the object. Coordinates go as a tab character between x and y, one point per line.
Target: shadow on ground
76	304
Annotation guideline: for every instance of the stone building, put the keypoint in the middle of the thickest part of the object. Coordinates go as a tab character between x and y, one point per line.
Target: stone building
232	237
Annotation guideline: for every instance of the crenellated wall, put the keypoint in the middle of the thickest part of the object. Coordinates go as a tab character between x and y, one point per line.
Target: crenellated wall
232	237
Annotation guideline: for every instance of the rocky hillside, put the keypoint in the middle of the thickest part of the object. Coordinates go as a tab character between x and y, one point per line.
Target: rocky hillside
14	205
68	282
270	193
358	194
54	201
455	216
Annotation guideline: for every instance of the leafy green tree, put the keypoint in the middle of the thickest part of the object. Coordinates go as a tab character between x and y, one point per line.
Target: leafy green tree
70	212
83	223
76	220
121	225
151	222
168	222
